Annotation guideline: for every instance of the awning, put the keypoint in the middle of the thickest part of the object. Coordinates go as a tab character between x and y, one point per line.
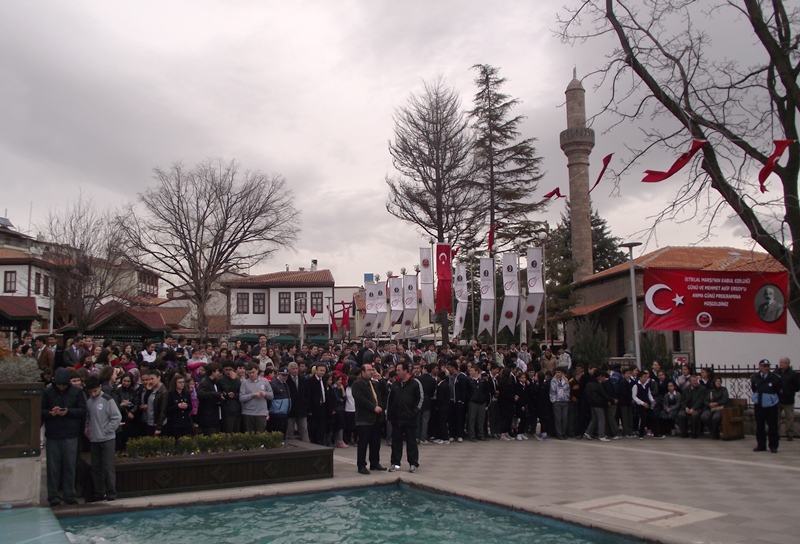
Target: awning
588	309
19	308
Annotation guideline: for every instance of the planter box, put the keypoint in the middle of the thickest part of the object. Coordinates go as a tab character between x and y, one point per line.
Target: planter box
20	419
159	475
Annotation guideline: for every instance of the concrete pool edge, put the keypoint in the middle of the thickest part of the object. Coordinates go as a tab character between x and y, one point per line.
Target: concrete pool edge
553	511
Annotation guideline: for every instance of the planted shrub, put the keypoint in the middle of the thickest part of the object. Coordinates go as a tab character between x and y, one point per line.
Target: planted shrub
160	446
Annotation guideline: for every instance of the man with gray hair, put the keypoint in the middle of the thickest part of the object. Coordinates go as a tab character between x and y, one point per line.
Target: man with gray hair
298	411
791	385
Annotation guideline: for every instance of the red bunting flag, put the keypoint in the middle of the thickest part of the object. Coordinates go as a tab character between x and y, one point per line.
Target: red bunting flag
555	192
772	162
345	317
313	312
491	235
654	176
334	327
606	160
444	273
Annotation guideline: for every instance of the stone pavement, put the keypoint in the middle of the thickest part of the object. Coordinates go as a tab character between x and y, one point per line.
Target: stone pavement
671	490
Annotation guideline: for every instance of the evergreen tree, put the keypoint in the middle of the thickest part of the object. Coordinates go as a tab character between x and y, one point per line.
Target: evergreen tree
508	168
561	267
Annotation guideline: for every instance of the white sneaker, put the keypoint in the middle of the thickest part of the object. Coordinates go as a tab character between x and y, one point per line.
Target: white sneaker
519	437
394	468
524	436
413	468
440	441
616	437
586	436
604	439
460	439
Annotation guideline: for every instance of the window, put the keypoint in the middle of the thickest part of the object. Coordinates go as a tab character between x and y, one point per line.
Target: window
676	341
10	283
38	284
46	286
300	303
284	303
259	303
316	301
242	303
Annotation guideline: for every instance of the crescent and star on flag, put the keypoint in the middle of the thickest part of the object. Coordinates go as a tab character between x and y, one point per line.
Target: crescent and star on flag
651	293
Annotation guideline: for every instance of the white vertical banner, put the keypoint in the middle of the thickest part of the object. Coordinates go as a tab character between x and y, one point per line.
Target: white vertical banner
535	279
380	308
486	322
426	279
462	298
508	317
370	317
395	300
409	302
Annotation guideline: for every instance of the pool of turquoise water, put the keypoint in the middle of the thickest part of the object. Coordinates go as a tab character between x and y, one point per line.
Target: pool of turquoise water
390	514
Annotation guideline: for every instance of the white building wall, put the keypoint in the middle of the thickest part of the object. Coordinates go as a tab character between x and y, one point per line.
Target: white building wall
22	289
735	348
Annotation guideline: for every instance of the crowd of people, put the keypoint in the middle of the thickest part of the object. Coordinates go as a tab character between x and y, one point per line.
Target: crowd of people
354	394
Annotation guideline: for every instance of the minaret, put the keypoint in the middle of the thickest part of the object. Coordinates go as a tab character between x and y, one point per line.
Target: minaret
577	142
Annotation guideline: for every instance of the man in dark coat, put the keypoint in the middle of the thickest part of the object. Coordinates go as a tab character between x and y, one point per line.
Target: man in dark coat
402	410
692	400
766	388
211	396
369	415
298	413
63	414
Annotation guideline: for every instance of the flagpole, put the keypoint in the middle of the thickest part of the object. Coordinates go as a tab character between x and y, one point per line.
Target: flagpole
542	237
330	316
431	241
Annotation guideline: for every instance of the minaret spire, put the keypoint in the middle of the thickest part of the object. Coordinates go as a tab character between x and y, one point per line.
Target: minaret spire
577	143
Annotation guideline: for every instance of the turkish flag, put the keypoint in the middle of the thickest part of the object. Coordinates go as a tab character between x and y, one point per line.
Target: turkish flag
334	327
654	176
606	160
555	193
444	275
345	317
704	300
772	162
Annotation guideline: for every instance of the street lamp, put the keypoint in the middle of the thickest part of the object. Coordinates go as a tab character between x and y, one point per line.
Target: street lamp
542	238
630	246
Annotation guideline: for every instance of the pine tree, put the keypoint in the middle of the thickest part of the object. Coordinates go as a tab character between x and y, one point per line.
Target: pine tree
508	169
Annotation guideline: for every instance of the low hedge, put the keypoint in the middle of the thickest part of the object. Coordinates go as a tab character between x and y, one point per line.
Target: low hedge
162	446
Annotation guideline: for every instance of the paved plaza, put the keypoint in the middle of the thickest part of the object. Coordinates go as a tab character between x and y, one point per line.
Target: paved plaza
671	490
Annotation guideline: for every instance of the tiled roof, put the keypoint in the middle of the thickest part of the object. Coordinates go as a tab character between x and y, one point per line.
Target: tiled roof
172	316
217	325
588	309
695	258
19	308
148	317
298	278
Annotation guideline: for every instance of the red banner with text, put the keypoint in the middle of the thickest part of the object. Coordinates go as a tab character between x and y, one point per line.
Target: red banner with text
700	300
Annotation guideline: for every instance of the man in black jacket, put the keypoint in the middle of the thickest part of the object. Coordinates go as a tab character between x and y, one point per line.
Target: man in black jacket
403	407
63	414
458	395
429	389
692	401
790	381
478	398
211	396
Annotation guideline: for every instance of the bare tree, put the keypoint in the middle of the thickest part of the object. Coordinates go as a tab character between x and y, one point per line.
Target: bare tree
88	267
667	76
431	151
196	225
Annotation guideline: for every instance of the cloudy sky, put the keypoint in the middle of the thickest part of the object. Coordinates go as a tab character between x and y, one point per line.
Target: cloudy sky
94	95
